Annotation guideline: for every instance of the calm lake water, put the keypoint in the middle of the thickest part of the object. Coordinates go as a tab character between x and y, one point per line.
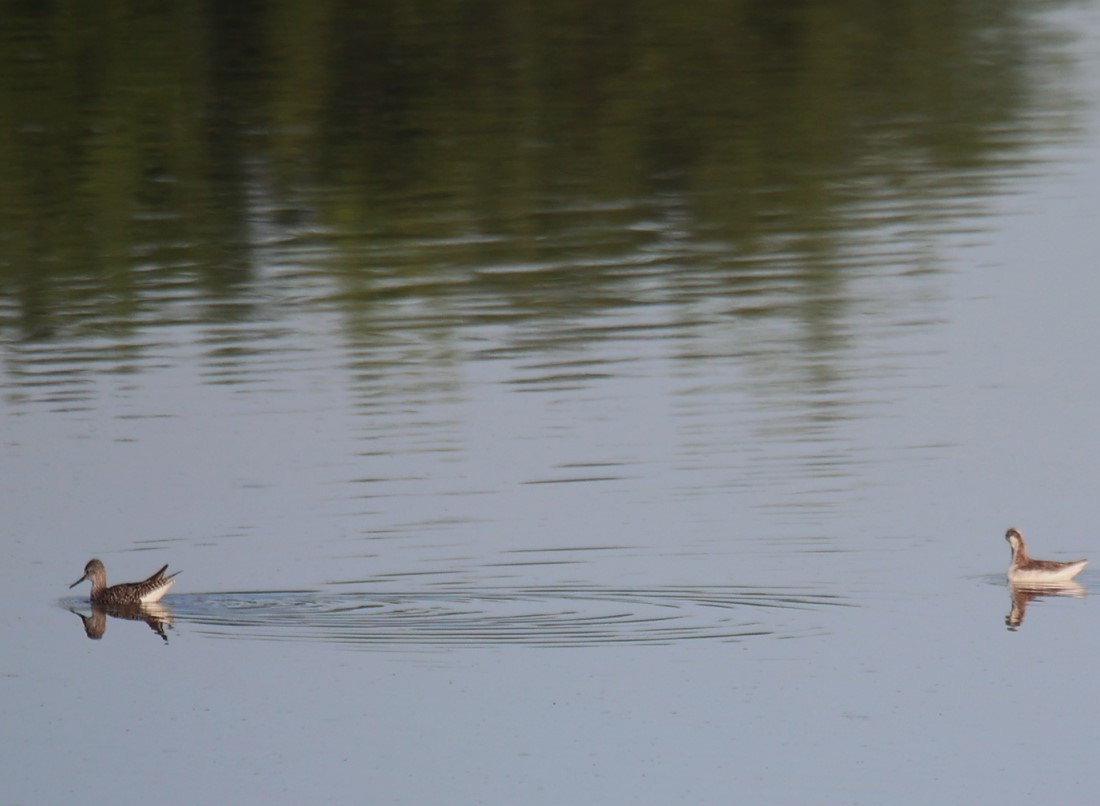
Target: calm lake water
550	406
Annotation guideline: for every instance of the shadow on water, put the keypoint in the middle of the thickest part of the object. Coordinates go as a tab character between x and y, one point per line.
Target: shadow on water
551	616
158	617
1023	595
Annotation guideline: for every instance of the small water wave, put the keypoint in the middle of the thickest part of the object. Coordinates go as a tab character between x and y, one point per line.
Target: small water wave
552	616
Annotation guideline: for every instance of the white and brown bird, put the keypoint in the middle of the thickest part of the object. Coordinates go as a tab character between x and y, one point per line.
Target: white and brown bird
125	593
1025	570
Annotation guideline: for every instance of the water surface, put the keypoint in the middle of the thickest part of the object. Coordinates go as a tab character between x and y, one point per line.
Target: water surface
549	405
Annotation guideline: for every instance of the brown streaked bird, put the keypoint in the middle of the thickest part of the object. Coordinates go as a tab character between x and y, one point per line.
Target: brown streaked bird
125	593
1025	569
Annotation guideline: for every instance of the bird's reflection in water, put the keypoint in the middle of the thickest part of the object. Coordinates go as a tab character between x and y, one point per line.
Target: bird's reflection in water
157	616
1024	593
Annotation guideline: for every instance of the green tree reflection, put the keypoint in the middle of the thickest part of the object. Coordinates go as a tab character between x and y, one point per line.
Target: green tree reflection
526	152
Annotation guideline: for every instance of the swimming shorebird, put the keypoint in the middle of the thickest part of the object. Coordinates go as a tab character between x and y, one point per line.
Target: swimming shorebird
125	593
1026	570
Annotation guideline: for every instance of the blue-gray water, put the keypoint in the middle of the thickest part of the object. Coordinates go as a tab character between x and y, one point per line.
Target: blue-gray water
550	410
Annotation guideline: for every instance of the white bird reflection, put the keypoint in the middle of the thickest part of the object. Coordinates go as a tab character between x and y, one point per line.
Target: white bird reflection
1022	593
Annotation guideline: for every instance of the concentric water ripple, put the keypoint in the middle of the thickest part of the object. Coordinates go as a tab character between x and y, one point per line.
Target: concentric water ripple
553	616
